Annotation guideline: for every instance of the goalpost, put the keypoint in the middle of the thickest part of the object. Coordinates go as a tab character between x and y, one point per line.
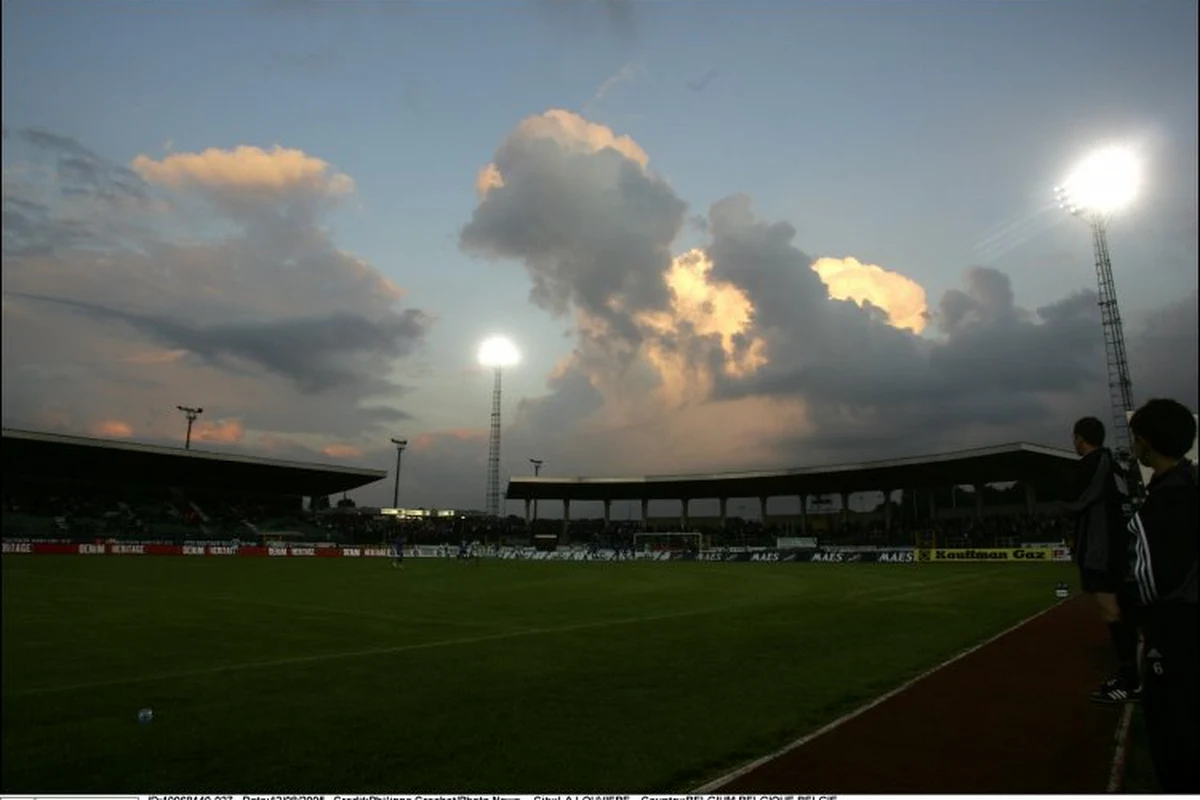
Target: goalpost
679	541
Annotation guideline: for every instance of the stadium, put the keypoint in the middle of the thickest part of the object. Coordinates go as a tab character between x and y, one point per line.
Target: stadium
669	654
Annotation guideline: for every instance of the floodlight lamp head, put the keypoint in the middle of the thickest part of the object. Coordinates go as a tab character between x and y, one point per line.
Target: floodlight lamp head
1105	182
497	352
400	442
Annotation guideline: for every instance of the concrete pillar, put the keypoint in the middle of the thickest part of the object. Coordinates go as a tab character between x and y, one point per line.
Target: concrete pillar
845	515
978	500
566	532
528	505
683	514
645	514
607	512
1030	499
804	514
723	501
887	509
762	510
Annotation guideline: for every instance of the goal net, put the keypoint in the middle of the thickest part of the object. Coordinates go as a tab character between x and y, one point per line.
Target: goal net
678	542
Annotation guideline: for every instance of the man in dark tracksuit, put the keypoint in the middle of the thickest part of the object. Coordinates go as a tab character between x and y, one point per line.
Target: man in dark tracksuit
1161	592
1101	549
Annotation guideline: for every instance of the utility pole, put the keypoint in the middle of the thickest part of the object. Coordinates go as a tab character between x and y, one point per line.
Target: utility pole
537	470
191	414
400	445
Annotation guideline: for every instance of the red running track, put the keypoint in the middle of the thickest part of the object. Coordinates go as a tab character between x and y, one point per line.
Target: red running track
1010	718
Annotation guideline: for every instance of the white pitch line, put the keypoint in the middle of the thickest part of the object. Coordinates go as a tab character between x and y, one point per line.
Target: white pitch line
1116	772
713	785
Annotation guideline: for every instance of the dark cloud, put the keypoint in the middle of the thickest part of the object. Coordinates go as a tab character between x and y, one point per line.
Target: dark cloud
593	228
836	381
315	354
1164	351
30	229
82	173
994	367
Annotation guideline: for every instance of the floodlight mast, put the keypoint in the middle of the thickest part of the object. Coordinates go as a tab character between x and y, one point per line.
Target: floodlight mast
496	353
493	475
1120	384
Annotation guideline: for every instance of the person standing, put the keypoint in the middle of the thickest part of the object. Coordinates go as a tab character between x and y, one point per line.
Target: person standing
398	551
1161	591
1101	547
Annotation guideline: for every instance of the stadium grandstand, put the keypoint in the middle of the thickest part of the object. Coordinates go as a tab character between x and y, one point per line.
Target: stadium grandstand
1013	489
77	488
72	488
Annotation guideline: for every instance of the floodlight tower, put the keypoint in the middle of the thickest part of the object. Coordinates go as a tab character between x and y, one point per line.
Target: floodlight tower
496	353
191	414
1101	186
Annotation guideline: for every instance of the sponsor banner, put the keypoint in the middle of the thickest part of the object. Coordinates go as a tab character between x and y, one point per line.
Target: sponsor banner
828	556
1014	555
893	557
838	557
900	555
796	543
702	790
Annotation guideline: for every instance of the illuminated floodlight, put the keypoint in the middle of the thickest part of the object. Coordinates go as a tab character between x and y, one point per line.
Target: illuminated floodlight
1104	183
498	352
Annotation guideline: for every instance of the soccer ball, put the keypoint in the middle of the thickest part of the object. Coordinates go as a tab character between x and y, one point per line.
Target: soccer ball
145	715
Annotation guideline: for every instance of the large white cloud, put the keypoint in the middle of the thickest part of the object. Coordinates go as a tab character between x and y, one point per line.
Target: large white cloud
749	351
118	308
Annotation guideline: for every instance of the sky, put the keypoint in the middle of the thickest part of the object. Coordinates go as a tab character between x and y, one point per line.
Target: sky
724	236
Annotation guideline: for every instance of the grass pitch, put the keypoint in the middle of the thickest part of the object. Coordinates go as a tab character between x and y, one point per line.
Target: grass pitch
345	675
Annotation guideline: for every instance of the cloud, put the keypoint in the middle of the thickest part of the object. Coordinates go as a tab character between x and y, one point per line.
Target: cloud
580	208
342	451
224	289
157	357
225	431
111	429
315	354
901	298
1164	351
624	75
83	174
430	441
248	178
749	352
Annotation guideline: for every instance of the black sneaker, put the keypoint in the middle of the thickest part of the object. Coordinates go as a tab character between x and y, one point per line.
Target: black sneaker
1115	691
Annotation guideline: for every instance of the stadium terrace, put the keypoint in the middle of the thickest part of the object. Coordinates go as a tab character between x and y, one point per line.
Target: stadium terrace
78	459
1041	470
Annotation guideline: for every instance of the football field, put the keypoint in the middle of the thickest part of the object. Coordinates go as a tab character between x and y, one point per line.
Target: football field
345	675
